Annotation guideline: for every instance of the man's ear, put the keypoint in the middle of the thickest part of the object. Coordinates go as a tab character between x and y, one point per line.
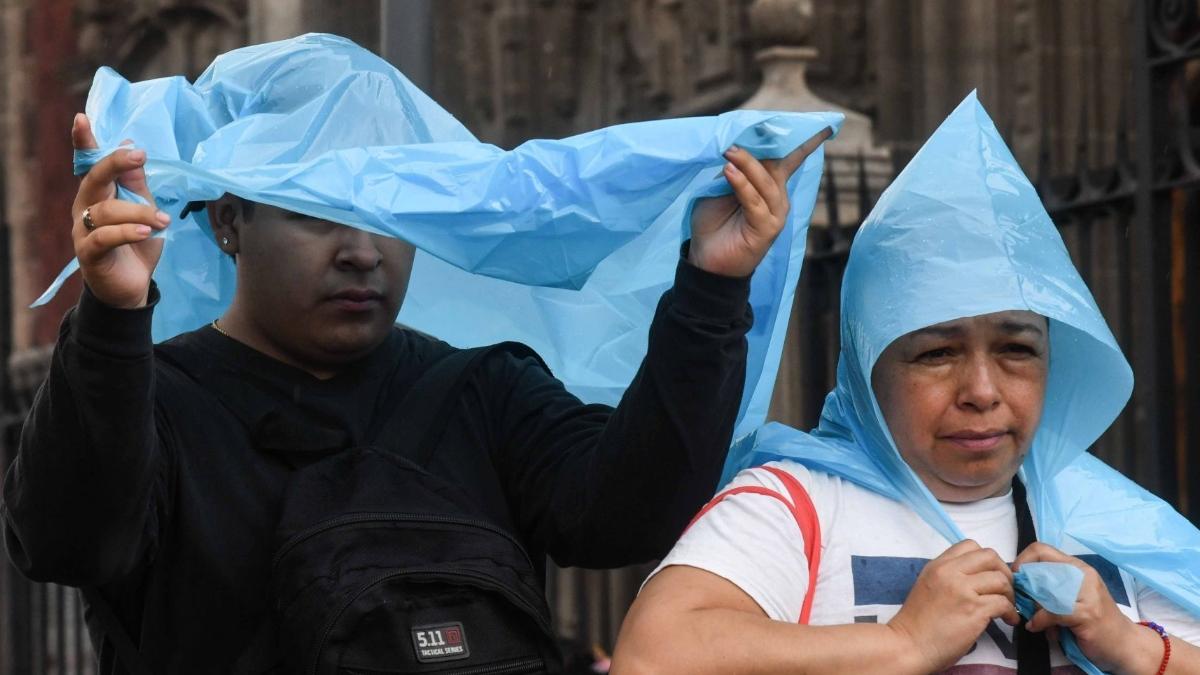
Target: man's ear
225	216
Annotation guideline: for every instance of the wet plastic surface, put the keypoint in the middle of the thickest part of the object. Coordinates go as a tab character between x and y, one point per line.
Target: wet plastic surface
564	245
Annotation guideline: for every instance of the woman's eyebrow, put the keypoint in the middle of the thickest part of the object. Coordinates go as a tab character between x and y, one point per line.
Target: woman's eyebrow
1017	327
943	332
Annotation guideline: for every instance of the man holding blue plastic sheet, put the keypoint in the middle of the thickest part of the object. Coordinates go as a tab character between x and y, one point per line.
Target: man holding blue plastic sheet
299	481
944	516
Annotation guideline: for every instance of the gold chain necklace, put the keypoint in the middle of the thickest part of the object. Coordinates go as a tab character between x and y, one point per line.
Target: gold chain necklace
218	328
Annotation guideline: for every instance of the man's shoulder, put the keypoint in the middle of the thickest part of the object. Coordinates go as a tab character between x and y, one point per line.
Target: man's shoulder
418	344
502	366
501	359
418	337
425	344
183	352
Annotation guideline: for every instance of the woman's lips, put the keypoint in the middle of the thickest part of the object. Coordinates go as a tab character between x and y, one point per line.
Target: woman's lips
977	441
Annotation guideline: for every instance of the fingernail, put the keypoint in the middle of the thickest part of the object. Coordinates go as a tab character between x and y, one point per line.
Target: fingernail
163	217
733	150
143	230
137	155
77	120
731	168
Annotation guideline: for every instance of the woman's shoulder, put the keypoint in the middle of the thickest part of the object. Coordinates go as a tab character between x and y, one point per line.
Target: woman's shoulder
816	482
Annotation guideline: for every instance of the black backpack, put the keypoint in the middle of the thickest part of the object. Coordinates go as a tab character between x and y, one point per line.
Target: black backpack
383	567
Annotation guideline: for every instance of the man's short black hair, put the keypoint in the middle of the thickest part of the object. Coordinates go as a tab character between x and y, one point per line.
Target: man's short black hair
246	204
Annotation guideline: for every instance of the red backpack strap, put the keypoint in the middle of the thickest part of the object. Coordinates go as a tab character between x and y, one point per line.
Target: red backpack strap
810	528
752	489
802	510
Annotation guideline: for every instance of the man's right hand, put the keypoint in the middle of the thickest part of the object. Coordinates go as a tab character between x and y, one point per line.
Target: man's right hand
955	597
117	256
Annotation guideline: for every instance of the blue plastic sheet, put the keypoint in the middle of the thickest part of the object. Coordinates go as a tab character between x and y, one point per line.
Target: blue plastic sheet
961	232
562	244
1056	584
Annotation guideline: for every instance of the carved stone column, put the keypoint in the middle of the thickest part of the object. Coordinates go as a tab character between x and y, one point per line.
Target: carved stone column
23	162
783	28
359	20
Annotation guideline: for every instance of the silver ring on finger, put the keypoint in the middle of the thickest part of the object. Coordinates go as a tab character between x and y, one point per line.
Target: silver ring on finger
87	219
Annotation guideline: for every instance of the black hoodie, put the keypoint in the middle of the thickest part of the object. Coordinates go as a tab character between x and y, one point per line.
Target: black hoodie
155	473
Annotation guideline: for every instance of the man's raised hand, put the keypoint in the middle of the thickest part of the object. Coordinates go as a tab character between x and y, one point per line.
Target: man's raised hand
732	233
117	255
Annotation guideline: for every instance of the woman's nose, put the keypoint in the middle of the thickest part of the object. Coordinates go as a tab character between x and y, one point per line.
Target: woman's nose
977	384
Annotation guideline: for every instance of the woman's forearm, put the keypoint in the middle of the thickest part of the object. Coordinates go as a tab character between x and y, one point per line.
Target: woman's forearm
728	641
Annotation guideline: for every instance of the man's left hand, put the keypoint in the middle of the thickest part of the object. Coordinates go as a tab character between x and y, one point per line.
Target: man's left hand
732	233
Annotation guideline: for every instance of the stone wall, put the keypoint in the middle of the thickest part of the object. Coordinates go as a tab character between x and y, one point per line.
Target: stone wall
516	69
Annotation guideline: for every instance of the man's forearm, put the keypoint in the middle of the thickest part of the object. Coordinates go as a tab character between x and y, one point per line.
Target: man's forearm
624	484
77	496
679	414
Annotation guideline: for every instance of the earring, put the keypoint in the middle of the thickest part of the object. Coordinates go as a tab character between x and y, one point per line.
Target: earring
224	241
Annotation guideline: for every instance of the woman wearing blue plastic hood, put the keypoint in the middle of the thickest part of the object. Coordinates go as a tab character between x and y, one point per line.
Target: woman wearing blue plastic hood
944	516
290	482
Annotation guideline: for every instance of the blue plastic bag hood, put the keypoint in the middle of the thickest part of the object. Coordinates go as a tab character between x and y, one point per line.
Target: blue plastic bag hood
961	232
565	244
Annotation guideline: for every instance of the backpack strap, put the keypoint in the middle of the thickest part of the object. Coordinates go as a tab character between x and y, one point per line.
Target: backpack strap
1033	649
802	510
810	526
745	489
422	415
115	633
262	654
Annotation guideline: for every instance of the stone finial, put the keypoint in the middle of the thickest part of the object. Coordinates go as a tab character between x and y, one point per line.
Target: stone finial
781	28
781	22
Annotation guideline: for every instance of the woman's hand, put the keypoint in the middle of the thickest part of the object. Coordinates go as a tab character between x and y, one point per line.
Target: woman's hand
117	255
954	599
731	234
1106	636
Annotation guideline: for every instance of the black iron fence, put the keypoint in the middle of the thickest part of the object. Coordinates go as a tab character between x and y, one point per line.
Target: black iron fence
1133	229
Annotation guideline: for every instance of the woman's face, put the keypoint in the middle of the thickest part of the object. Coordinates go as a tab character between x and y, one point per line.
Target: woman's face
963	400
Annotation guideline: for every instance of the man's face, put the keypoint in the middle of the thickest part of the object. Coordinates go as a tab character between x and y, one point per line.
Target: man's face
963	400
320	293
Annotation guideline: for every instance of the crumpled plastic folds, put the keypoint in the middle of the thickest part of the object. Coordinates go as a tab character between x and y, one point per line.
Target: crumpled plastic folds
565	245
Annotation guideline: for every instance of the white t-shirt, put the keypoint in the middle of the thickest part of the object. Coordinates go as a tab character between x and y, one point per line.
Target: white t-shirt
872	550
